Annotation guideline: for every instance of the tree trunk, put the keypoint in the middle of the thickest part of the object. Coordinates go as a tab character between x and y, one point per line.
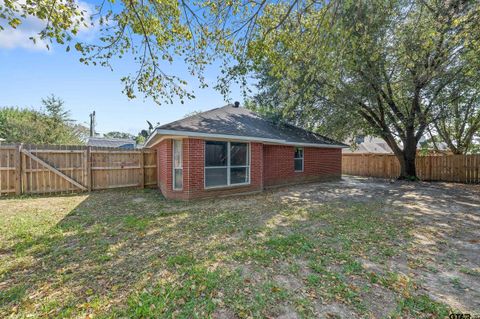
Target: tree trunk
408	170
407	160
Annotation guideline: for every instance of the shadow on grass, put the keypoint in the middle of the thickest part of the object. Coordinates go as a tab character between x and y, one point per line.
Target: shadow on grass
110	245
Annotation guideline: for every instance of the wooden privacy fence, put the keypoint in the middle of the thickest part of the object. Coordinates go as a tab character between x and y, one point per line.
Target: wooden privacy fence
448	168
43	169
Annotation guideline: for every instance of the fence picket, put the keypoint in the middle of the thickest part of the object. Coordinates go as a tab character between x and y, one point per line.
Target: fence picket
448	168
66	169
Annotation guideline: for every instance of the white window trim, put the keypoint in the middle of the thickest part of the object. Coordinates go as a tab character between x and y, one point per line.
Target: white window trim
296	158
173	164
228	167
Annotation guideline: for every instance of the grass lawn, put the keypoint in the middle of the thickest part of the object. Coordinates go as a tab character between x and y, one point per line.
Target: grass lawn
337	250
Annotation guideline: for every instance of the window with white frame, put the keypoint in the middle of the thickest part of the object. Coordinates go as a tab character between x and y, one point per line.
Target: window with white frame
177	165
298	159
226	163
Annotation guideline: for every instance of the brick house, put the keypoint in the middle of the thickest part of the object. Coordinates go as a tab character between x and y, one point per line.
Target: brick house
231	150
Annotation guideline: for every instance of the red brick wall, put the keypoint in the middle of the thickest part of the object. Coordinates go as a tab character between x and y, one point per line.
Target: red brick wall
195	176
270	165
193	171
319	164
164	164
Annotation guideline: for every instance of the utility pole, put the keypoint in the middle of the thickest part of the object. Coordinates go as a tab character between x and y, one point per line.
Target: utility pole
92	124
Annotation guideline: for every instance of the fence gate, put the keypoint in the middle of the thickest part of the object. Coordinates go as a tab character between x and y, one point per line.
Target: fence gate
48	169
53	170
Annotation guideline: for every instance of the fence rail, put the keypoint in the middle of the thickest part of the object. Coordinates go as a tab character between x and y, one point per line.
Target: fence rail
447	168
44	169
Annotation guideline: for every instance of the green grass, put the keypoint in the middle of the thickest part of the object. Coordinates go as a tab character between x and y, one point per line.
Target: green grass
12	295
132	254
470	271
423	306
190	296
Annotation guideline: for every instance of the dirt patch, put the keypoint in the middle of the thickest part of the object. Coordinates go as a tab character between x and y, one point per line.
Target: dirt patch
380	301
445	232
334	311
458	290
289	282
251	273
223	313
286	312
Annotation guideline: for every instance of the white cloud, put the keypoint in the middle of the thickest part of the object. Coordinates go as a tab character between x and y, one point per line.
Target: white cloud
31	26
20	37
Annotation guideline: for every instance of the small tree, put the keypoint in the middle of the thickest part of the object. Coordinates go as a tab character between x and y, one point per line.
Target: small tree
55	108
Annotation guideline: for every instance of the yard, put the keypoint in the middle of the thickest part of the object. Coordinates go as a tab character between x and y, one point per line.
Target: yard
351	249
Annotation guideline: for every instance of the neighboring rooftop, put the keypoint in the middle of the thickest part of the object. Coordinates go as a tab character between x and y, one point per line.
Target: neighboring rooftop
237	122
376	145
111	142
370	145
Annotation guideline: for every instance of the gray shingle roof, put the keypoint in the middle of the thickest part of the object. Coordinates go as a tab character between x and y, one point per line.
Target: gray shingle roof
238	121
372	148
111	142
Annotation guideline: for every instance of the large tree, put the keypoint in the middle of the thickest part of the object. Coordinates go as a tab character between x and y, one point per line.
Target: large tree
383	65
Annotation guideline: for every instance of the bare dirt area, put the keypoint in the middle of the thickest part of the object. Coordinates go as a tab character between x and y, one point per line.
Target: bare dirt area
444	254
356	248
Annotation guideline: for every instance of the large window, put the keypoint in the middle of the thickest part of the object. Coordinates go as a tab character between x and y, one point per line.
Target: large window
298	159
226	163
177	165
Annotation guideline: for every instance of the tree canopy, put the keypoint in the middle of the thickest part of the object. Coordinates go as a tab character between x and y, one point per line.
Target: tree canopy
116	134
151	32
458	125
376	66
50	126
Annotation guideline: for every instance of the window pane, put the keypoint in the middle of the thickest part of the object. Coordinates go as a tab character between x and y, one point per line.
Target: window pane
215	177
238	154
178	179
298	152
238	175
215	154
298	164
177	153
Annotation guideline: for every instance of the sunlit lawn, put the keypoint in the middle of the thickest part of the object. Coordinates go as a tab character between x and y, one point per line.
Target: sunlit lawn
132	254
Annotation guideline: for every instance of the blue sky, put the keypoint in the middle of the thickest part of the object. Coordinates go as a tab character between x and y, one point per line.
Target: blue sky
29	73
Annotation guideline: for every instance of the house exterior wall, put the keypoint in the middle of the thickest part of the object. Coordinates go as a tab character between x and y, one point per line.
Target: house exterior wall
270	165
194	180
193	171
318	164
164	167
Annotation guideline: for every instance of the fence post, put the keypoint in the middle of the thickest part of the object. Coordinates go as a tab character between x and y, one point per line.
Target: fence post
142	169
430	167
89	168
18	170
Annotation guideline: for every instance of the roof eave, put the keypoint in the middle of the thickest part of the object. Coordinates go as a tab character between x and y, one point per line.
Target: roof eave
152	141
